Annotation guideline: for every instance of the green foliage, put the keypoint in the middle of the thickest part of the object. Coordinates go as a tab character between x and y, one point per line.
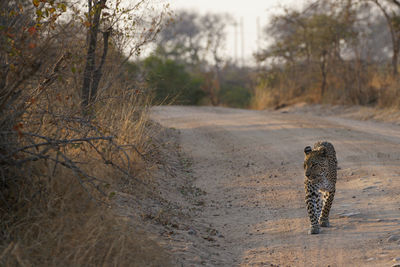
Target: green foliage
235	96
48	10
236	84
171	83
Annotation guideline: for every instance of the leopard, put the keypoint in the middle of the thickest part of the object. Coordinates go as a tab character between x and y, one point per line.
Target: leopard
320	170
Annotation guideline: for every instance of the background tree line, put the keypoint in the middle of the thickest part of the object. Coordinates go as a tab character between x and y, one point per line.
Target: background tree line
337	52
189	64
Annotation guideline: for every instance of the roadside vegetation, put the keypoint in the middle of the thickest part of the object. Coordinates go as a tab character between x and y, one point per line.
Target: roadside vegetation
74	130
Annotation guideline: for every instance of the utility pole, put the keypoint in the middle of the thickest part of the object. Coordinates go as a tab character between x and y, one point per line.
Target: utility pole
258	34
242	39
236	42
258	40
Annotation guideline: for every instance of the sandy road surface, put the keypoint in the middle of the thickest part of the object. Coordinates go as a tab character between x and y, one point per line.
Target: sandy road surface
249	163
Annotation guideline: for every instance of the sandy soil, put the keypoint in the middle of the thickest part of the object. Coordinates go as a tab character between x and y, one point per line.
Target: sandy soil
246	206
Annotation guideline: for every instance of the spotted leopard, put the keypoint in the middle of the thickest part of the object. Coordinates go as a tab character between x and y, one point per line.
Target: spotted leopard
320	169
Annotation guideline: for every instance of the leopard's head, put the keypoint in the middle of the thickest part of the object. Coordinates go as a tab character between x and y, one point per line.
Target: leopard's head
314	162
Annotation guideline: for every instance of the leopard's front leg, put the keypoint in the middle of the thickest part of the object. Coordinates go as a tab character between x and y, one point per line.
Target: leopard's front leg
312	201
328	199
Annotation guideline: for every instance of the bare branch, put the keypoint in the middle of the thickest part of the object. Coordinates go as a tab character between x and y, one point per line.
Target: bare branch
55	142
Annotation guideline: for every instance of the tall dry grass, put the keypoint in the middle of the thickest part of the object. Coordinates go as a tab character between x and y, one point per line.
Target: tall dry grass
55	210
387	90
347	83
278	88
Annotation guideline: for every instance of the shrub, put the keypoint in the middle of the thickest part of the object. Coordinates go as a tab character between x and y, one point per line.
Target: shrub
235	96
171	83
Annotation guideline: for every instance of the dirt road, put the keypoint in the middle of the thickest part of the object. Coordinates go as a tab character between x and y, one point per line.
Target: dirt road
249	163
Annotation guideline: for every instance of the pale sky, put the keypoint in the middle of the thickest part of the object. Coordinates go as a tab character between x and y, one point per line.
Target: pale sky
248	10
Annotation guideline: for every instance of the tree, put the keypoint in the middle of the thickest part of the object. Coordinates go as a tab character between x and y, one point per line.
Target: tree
198	42
92	74
391	11
310	39
214	27
182	39
128	30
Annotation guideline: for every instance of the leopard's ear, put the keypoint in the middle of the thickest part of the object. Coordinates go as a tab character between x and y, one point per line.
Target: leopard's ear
307	150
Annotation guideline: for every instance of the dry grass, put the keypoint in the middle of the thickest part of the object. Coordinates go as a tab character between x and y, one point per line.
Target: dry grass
345	85
55	210
264	98
387	88
74	231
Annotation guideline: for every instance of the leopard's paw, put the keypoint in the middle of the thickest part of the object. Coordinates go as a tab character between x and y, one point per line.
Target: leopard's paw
314	230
